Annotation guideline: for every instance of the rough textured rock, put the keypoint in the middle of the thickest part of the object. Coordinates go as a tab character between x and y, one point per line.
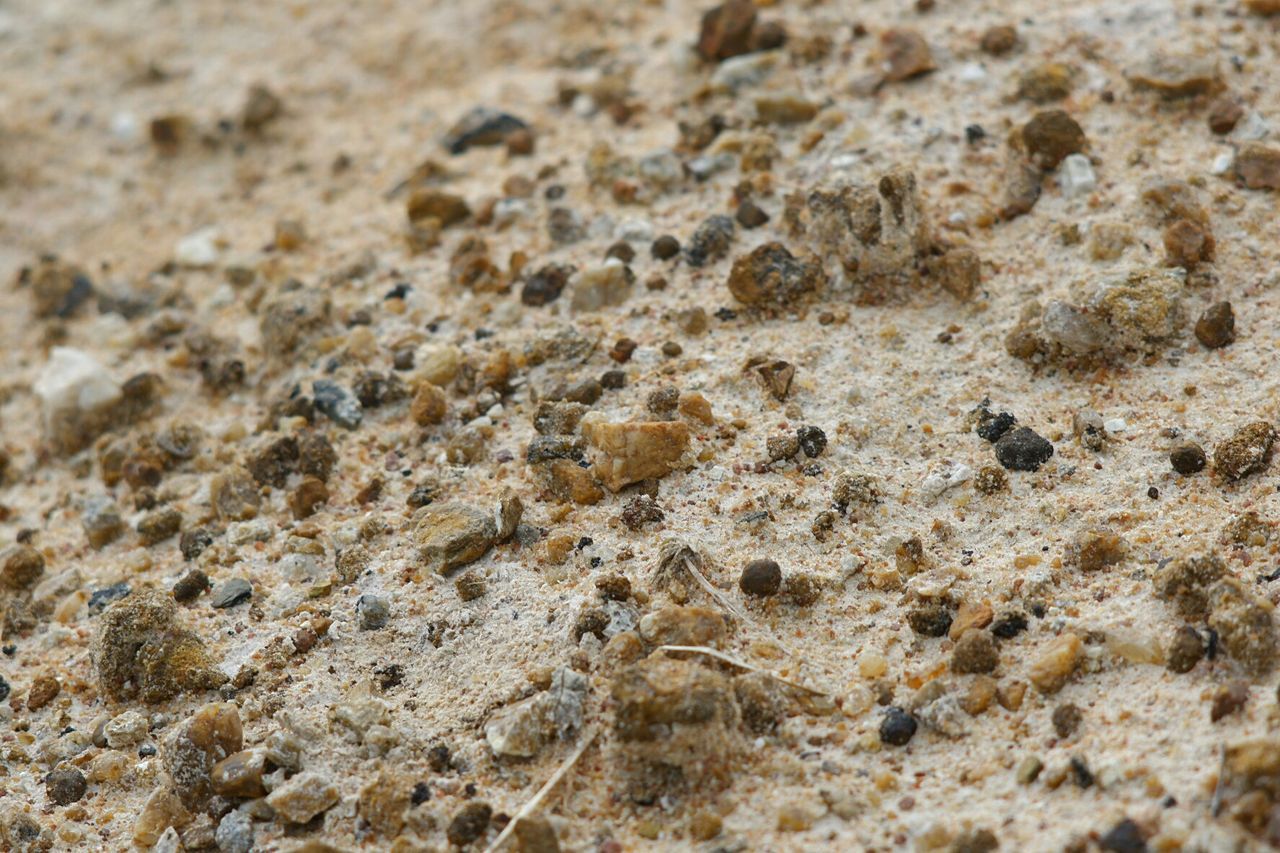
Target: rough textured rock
303	797
142	651
771	276
631	452
208	736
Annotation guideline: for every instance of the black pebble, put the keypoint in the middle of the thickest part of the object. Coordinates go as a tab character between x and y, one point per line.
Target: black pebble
897	727
4	689
665	247
761	578
1083	775
1187	458
421	793
973	133
996	426
1023	449
812	440
1009	626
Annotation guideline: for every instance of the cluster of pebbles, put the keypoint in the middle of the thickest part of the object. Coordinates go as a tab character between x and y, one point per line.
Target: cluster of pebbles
751	426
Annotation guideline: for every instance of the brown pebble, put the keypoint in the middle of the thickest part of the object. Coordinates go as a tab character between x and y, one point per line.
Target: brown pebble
1258	166
1228	699
904	55
1051	136
1246	452
1066	719
43	690
726	30
1187	458
190	586
751	215
310	493
1224	113
1188	244
1216	327
999	40
975	652
761	578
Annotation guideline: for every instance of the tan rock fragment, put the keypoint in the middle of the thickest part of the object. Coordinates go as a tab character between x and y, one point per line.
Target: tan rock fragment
635	451
303	797
1050	671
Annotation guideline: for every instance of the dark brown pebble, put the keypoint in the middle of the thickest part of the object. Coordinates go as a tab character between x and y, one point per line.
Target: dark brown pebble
761	578
1224	113
190	586
929	620
975	652
665	247
1050	136
1125	837
1187	458
751	215
1066	719
1228	699
469	823
622	251
1217	326
999	40
65	785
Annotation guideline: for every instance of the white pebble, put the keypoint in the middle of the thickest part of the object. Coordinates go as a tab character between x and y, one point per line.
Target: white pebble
1076	176
198	249
1251	128
1114	425
972	72
1222	163
72	382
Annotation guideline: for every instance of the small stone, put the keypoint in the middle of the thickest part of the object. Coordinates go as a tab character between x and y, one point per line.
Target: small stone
192	543
771	276
470	586
158	526
65	786
999	40
1023	449
726	30
1263	7
635	451
1051	136
199	249
20	567
234	495
665	248
710	242
898	727
1228	699
564	226
142	651
1244	626
469	823
337	403
57	288
929	619
1049	672
750	215
240	774
235	832
682	626
958	270
1258	166
1076	177
310	494
100	598
101	521
79	399
1046	83
812	441
125	730
480	127
1096	549
372	612
161	811
1029	769
546	284
303	797
231	592
1217	326
452	535
261	107
1066	719
1188	244
782	447
1224	113
989	480
207	737
1177	76
602	287
783	109
761	578
1187	458
1125	837
1246	452
975	652
904	54
1186	581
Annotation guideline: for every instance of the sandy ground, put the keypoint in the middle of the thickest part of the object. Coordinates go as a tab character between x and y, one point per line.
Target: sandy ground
377	84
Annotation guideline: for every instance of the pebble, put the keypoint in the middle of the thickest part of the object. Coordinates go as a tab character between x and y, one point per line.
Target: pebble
337	403
904	54
1258	166
372	612
1179	76
635	451
142	651
452	535
1187	458
198	249
469	823
235	832
1228	699
975	652
601	287
303	797
231	592
1246	452
190	752
1022	449
65	786
999	40
750	215
665	247
481	126
1076	177
20	567
1125	837
710	242
125	730
78	398
1216	327
812	441
761	578
771	276
898	727
1066	720
1051	136
929	619
1050	670
726	30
